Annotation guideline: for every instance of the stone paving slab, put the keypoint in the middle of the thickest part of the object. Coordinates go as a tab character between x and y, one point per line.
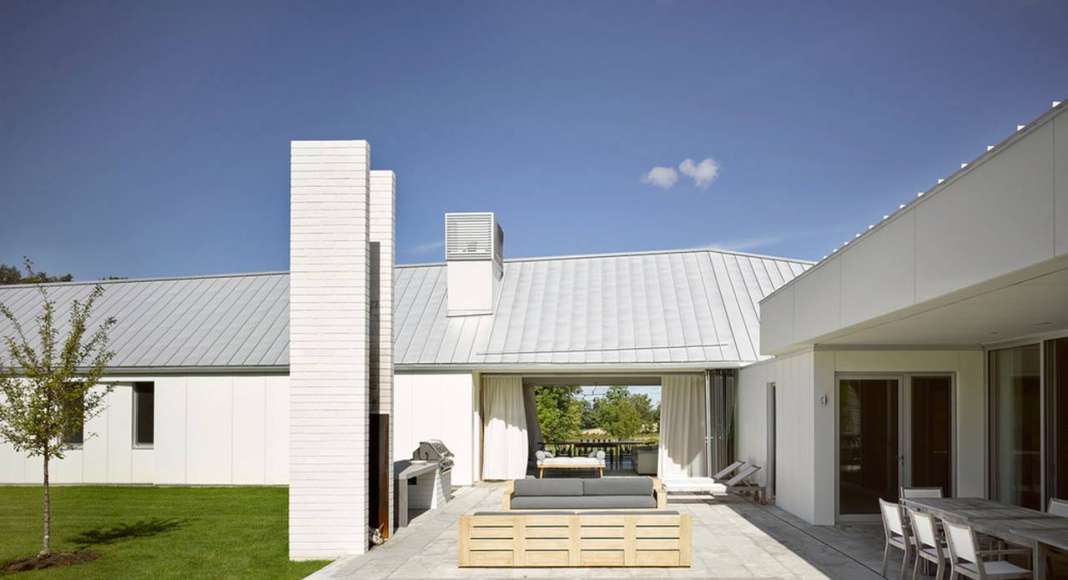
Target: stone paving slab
733	538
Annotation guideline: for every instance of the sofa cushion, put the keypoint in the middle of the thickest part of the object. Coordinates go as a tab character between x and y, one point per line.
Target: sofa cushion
618	486
595	502
547	487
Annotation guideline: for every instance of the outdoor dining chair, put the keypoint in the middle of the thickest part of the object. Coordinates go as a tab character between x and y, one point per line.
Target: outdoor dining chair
1057	561
968	561
920	492
1058	507
896	535
927	543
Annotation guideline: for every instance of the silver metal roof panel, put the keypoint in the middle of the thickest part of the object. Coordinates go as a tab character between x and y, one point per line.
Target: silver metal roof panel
672	309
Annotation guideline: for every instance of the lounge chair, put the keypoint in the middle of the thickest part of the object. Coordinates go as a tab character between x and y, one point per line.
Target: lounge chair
727	471
742	483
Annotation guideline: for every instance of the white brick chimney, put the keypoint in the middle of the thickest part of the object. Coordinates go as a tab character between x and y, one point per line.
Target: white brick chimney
474	258
329	394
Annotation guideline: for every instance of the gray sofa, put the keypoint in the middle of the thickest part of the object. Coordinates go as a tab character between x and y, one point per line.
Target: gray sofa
585	494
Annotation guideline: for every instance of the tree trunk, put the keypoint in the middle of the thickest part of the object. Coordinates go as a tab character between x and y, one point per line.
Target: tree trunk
46	544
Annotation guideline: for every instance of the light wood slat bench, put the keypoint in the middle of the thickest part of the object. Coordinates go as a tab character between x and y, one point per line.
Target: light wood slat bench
579	539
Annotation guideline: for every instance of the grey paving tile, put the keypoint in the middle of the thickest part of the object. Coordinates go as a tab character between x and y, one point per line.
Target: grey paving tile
732	538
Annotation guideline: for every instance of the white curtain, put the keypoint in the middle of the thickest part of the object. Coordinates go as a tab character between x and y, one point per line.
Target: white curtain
682	427
504	450
533	429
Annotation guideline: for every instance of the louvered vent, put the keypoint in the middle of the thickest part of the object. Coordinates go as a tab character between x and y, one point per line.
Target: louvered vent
472	236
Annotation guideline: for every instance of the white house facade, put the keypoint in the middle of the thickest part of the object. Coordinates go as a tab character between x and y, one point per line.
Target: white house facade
942	323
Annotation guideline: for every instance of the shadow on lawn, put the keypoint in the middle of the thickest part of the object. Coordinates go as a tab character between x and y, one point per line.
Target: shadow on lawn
139	529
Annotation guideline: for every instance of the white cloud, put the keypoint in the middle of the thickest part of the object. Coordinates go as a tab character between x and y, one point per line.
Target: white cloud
662	177
426	248
703	173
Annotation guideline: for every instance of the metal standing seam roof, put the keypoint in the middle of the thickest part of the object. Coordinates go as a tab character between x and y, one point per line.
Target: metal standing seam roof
697	307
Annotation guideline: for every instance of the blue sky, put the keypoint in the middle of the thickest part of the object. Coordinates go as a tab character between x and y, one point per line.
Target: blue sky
149	139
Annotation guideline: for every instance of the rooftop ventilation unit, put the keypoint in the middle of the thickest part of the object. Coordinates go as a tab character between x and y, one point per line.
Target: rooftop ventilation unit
472	236
474	256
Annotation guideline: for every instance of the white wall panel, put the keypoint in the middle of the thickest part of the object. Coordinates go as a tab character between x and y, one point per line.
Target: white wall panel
818	300
143	466
222	429
794	468
276	433
878	275
991	221
249	414
170	448
120	434
209	430
437	406
95	448
777	320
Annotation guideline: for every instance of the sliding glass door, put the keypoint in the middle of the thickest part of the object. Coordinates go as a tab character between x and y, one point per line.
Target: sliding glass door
868	443
931	432
1016	425
893	430
1057	416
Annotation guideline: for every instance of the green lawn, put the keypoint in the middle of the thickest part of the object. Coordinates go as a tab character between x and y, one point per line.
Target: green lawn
155	532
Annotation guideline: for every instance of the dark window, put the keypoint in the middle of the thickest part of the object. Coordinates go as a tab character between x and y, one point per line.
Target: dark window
75	436
144	395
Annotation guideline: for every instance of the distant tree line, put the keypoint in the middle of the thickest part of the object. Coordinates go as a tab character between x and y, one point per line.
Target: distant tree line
14	275
562	414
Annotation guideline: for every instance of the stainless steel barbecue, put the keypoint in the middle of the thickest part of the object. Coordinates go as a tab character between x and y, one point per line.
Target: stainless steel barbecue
434	450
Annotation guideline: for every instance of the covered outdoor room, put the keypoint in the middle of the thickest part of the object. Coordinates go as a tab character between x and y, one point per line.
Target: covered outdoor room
673	426
931	351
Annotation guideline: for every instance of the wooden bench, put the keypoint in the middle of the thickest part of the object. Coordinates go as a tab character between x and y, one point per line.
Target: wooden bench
578	539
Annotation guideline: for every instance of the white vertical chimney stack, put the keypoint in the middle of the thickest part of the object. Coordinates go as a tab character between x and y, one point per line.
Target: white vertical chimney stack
474	258
329	311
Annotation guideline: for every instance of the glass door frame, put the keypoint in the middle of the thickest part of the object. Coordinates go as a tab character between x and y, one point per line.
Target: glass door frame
906	427
1047	476
904	430
992	424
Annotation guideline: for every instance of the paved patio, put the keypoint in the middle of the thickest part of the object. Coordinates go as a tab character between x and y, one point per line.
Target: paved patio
733	538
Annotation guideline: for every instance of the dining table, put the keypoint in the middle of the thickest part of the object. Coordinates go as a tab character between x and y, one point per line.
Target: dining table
1033	529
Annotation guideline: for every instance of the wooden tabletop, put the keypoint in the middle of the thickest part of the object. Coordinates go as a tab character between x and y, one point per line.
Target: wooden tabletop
1017	525
972	508
1056	538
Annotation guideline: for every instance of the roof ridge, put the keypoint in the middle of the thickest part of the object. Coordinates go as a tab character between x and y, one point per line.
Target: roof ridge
417	265
626	254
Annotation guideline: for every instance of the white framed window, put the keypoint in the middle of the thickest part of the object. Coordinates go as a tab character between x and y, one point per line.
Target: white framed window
144	410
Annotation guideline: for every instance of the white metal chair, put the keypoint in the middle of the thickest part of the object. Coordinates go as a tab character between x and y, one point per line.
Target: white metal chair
966	560
1058	507
896	535
918	492
928	545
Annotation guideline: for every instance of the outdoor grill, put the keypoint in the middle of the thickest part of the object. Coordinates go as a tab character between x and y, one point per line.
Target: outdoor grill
433	450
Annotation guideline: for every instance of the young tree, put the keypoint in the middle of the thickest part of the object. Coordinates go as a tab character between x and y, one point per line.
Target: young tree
559	413
47	388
